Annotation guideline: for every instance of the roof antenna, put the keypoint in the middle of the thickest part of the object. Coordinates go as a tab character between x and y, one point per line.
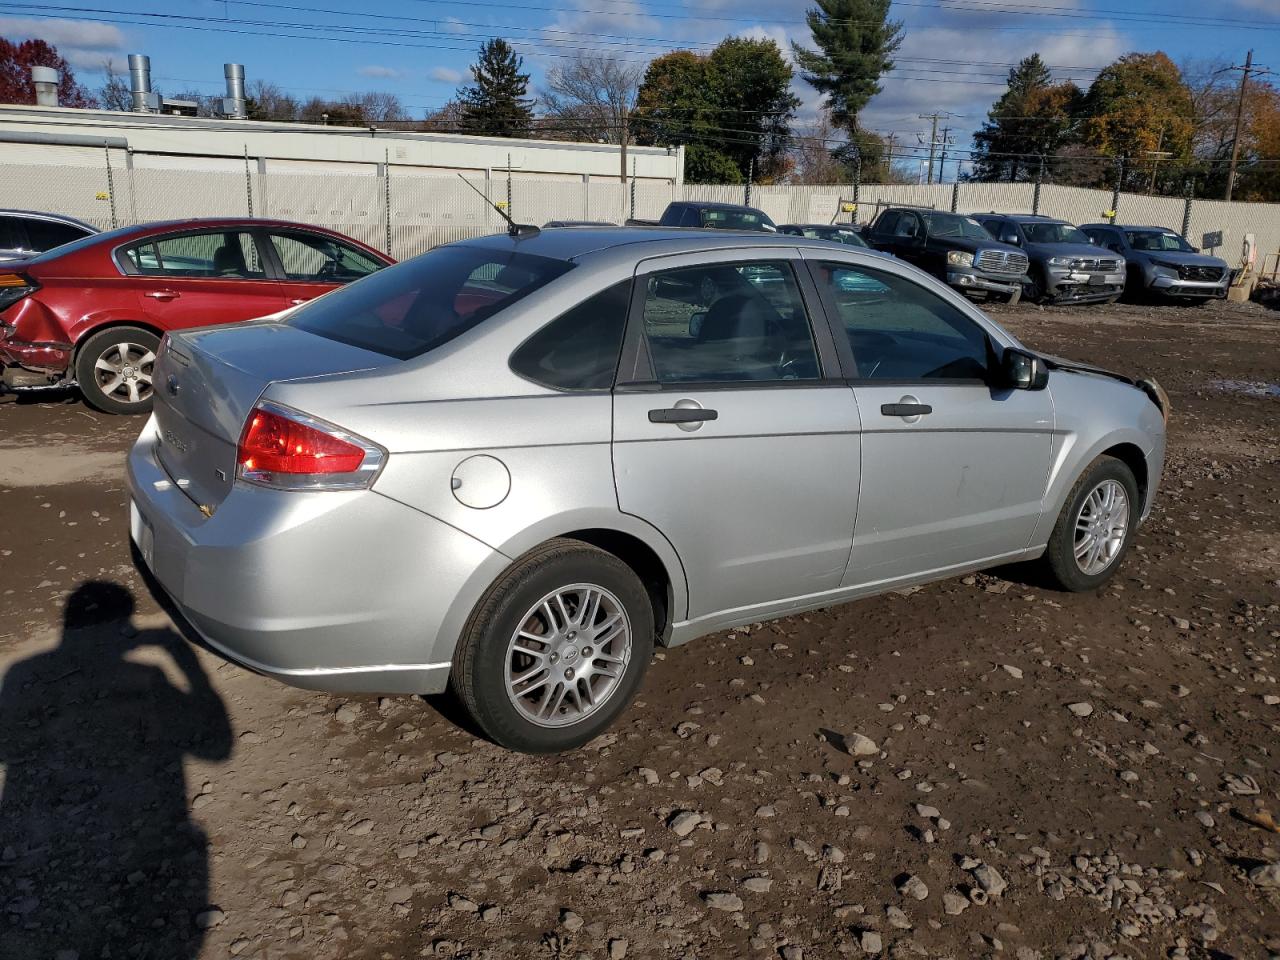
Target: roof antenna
519	231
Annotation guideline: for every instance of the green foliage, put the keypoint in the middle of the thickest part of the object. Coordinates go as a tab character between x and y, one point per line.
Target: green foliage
855	41
496	104
1034	117
733	108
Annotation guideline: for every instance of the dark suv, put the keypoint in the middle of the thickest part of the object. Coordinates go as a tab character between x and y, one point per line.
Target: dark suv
1066	267
1161	262
954	248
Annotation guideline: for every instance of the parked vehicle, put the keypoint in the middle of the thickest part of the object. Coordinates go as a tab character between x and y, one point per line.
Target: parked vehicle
1162	263
1066	266
845	233
718	216
956	249
25	233
92	312
542	469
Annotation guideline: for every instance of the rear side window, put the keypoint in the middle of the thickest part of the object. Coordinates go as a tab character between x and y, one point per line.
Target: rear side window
579	349
410	309
225	255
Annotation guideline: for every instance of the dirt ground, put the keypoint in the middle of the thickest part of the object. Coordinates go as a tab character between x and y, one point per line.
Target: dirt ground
160	803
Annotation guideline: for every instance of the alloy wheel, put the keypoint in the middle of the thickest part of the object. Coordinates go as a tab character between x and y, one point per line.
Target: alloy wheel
568	656
123	372
1101	526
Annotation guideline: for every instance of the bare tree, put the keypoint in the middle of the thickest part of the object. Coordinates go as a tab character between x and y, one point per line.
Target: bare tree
592	97
377	107
114	94
267	101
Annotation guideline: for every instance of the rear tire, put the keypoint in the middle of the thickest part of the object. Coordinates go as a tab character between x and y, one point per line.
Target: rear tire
114	367
1095	528
556	649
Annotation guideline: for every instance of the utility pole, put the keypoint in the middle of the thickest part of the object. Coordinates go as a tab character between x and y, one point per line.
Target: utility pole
1245	70
933	138
892	139
942	160
626	117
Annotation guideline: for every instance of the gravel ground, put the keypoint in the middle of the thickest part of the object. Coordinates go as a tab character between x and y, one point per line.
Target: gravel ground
979	767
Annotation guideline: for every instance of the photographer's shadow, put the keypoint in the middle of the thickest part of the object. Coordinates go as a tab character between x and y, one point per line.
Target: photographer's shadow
97	845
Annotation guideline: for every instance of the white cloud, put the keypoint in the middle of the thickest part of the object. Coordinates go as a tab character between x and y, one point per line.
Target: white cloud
386	73
445	75
79	34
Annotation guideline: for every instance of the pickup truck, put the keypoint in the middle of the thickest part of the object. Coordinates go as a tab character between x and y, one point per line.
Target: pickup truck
956	249
717	216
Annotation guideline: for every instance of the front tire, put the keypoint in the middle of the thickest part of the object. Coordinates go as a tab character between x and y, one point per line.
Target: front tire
114	368
1095	527
556	649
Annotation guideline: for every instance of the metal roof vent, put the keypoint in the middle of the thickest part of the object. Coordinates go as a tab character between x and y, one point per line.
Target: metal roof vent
233	105
144	99
45	80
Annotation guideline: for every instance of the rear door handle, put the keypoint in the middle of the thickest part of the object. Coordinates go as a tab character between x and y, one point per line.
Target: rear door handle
905	409
297	300
162	294
682	415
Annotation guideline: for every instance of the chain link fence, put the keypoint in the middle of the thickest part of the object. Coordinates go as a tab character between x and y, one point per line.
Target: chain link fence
407	210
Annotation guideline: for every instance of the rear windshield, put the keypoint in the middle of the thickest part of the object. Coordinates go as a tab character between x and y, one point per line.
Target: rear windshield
409	309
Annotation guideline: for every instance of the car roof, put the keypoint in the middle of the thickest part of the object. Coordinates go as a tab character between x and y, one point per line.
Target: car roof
1023	217
42	215
820	226
1130	226
647	241
716	205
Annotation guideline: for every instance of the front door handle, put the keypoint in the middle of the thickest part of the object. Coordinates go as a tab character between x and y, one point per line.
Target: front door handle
162	294
682	415
296	301
905	409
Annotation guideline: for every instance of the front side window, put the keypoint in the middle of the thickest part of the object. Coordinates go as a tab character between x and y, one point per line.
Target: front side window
414	307
728	323
320	259
579	349
229	255
898	330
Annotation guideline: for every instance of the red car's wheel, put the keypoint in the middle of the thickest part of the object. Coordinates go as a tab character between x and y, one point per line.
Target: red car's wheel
113	369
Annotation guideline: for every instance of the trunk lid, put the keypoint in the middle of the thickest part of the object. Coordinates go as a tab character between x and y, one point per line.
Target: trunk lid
207	381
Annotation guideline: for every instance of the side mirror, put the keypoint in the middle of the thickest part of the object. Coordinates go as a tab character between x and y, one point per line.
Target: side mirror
1010	238
1023	371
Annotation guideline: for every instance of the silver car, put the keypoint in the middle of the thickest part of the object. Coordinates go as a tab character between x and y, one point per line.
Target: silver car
513	464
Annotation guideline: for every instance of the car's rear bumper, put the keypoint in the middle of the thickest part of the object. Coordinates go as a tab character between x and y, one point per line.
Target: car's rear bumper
47	358
344	591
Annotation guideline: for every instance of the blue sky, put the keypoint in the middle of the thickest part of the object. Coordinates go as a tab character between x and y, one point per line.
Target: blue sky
954	57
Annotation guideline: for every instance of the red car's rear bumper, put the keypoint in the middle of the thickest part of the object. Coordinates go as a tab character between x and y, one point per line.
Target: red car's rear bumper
53	358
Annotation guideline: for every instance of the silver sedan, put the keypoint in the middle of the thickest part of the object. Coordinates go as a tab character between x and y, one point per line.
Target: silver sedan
513	465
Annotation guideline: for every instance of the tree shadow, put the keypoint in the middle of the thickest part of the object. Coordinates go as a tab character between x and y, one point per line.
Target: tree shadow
99	855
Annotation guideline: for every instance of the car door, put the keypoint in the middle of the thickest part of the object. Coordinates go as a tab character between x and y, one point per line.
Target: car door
311	264
733	432
201	277
907	241
954	466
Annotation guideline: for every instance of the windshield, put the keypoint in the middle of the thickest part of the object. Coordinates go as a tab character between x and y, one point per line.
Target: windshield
409	309
835	234
744	219
953	225
1157	240
1053	233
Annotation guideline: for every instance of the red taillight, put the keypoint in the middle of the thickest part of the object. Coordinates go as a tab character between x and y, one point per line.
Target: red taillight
289	449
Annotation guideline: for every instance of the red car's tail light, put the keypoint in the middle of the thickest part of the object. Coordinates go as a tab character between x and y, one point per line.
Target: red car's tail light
15	286
284	448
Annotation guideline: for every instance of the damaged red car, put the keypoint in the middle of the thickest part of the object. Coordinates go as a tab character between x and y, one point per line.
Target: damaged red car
92	312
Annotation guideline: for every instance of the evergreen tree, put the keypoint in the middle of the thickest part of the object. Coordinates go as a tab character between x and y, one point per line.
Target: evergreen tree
855	42
495	104
1032	118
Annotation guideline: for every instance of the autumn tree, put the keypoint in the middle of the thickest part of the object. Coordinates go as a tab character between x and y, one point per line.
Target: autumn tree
16	61
1139	108
1033	118
496	103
